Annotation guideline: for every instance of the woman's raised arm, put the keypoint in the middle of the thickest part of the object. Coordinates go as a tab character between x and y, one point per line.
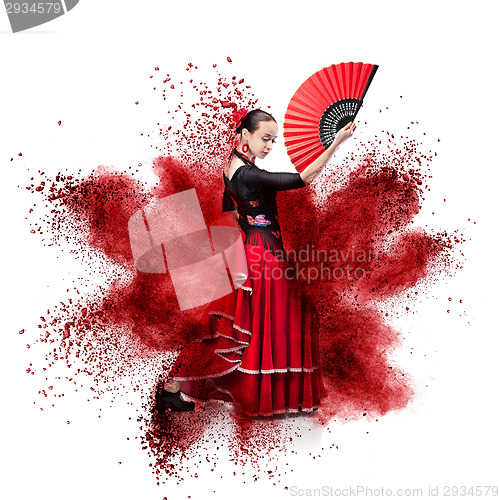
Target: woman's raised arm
255	178
309	173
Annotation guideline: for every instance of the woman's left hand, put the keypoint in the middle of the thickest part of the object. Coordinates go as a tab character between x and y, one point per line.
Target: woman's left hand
345	133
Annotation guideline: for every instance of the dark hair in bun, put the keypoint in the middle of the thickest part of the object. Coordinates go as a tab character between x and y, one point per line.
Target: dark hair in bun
252	119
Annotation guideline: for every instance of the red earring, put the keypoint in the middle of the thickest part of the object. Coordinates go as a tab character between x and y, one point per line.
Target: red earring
245	148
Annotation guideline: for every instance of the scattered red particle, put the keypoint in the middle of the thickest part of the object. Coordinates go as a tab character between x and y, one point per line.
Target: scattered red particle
229	60
20	154
59	122
21	331
137	102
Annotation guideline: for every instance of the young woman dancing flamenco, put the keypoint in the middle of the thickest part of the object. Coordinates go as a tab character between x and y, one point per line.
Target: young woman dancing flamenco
263	354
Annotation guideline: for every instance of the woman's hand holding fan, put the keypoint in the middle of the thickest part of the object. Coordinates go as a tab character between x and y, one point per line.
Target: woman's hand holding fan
310	172
344	133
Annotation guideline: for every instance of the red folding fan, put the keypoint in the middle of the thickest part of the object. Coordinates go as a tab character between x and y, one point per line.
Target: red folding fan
326	102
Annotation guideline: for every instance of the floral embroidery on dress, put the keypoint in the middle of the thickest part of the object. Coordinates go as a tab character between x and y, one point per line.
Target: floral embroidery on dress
259	220
254	203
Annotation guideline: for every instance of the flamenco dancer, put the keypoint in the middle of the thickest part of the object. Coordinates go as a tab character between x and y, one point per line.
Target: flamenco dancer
263	353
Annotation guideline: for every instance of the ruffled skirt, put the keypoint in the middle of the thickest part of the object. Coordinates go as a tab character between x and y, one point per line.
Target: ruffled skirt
261	351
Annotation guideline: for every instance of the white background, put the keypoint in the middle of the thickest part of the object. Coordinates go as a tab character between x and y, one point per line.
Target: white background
89	67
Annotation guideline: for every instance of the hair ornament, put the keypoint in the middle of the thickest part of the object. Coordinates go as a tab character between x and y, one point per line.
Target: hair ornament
239	115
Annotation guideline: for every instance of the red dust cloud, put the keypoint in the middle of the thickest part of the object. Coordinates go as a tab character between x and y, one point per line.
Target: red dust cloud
134	326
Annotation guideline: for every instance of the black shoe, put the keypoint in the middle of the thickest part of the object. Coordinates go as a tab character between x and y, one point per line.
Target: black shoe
172	400
313	409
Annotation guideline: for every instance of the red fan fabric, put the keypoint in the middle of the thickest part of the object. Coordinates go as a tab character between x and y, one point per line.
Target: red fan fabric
262	352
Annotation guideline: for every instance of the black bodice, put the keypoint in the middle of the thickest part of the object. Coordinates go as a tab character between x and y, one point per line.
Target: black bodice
252	192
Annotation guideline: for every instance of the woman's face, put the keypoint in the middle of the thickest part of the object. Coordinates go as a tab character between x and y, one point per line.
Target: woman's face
260	142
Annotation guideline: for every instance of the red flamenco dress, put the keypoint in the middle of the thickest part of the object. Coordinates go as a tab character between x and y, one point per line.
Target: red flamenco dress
262	351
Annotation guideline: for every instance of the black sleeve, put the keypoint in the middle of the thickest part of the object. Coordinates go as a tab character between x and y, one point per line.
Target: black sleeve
255	178
227	201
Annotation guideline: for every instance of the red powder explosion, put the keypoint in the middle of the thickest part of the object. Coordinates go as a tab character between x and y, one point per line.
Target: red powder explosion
134	325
